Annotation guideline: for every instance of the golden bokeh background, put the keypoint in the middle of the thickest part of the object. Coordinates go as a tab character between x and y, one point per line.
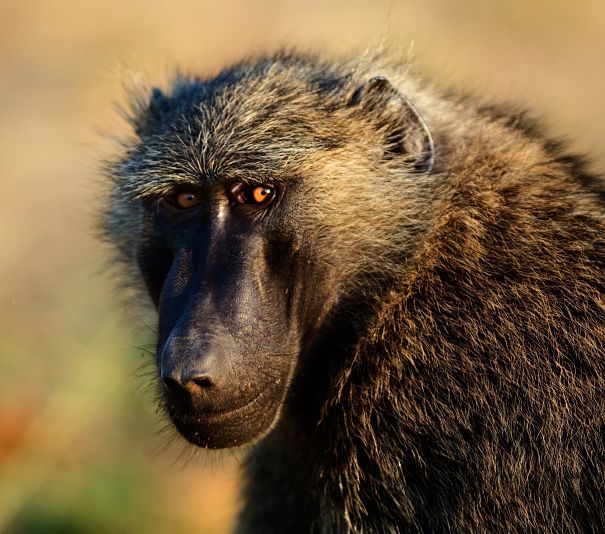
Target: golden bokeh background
81	446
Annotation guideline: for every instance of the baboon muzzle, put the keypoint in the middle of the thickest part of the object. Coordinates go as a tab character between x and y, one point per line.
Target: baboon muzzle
223	341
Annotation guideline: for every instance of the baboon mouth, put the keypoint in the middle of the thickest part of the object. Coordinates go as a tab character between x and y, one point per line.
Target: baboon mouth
228	427
220	415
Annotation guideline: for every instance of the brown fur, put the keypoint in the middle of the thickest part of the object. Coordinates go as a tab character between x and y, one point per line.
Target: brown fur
470	394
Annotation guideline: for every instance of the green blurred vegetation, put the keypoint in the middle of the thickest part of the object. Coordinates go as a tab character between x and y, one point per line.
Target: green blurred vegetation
79	443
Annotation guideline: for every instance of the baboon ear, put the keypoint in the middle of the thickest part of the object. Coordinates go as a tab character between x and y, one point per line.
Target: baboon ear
406	132
151	111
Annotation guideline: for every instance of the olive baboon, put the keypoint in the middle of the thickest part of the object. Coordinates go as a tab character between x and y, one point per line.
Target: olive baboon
398	297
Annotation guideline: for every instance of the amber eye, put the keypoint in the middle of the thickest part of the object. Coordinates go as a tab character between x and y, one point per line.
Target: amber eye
186	200
182	201
258	195
261	194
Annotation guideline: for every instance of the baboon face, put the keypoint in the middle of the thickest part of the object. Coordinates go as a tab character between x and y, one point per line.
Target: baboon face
221	267
240	258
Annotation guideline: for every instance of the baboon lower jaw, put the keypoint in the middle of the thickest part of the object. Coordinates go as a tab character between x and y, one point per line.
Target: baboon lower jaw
230	427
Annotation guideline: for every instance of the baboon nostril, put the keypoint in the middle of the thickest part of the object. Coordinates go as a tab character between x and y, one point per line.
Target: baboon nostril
187	381
202	380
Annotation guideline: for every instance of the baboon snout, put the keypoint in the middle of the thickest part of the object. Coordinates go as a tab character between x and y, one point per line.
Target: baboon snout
190	365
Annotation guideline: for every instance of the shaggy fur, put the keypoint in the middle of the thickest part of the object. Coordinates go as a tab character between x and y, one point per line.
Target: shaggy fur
454	380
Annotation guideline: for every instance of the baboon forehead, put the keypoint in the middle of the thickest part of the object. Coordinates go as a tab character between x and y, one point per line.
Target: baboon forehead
266	120
254	121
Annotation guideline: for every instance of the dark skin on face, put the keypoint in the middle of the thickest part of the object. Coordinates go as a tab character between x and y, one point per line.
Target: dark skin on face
218	262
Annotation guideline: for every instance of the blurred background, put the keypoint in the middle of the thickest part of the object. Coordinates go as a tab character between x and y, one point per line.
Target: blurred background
81	445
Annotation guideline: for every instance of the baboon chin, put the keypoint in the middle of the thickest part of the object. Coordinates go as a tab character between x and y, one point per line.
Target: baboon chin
230	425
397	295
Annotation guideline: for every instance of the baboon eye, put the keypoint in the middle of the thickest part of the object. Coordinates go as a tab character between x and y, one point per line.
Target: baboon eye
258	195
182	200
187	199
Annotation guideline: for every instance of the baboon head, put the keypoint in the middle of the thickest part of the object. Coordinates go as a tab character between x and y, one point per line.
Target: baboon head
252	204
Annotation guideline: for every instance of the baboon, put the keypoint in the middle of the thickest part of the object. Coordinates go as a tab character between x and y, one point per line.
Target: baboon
393	296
